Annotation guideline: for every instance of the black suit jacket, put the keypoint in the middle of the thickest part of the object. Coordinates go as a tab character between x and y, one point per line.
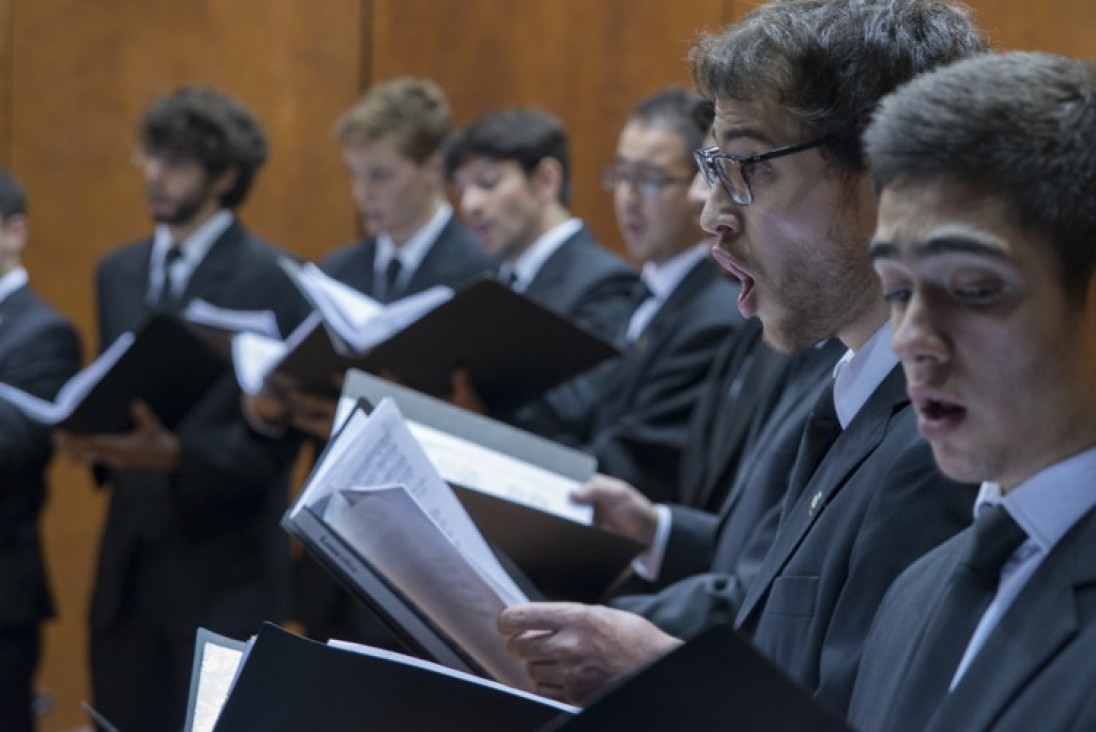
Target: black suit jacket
453	259
586	283
633	413
879	504
201	546
1034	672
711	558
639	423
39	352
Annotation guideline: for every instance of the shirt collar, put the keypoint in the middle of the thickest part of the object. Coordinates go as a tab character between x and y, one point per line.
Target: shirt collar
12	281
194	247
417	246
858	374
533	258
1051	502
662	279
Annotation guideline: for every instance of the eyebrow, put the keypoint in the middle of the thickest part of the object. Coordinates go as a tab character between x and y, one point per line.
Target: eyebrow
741	132
938	246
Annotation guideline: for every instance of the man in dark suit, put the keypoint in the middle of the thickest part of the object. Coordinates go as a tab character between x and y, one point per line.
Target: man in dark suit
39	352
511	169
985	249
192	536
633	413
391	144
793	208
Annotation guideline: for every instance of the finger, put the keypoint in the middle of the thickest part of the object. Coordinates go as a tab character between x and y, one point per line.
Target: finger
547	674
145	419
531	645
535	616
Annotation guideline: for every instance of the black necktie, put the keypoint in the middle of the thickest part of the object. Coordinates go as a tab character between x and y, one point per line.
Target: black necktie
640	294
168	299
995	537
819	434
391	279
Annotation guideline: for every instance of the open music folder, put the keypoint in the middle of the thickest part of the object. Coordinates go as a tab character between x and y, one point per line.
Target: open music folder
378	515
515	485
513	348
280	681
164	363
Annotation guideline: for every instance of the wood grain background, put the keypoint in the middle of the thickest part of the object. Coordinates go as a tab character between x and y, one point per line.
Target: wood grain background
76	74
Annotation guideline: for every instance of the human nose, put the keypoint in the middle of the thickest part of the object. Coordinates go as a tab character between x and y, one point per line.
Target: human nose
917	338
720	215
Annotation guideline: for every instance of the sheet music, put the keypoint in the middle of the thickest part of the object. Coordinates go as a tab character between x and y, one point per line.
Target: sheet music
253	356
466	463
263	322
386	525
379	450
219	667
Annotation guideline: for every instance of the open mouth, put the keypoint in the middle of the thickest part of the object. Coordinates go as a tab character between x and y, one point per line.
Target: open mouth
936	416
746	303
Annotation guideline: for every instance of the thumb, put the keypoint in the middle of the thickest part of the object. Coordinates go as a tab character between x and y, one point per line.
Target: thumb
145	419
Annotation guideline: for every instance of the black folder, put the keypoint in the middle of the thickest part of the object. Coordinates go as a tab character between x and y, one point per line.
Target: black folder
513	348
168	365
292	683
715	681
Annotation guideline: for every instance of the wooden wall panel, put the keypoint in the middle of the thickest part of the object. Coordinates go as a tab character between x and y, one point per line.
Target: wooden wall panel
1061	26
586	61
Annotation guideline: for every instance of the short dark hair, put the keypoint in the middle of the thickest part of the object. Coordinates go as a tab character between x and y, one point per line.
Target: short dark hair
211	127
685	112
1020	127
525	136
13	198
828	62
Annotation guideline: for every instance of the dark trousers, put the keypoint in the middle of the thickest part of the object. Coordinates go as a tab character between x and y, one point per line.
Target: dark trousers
140	676
20	648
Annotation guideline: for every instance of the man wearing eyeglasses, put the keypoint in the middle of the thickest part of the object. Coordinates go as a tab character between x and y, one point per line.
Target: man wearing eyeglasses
791	203
633	413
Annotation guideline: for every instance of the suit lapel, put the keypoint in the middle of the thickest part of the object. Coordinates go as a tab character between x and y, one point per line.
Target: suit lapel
551	281
1041	622
218	271
851	449
640	354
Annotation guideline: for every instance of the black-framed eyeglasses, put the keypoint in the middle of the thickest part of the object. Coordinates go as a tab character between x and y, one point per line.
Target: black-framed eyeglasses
732	170
649	183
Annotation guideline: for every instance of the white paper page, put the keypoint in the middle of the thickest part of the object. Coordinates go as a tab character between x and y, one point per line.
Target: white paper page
253	356
343	308
389	528
395	316
263	322
446	671
74	390
378	449
465	463
218	671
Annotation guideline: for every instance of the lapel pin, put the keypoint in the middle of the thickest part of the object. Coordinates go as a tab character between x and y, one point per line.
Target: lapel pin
816	504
